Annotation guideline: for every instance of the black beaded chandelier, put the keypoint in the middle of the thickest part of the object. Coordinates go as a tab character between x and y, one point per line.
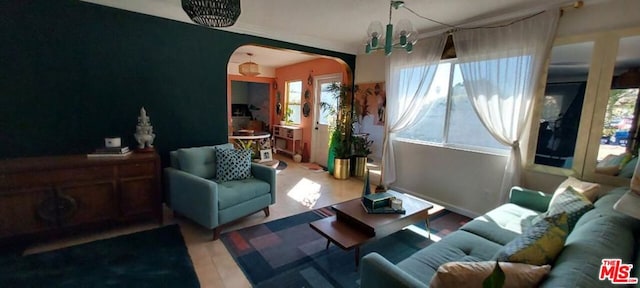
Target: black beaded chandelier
212	13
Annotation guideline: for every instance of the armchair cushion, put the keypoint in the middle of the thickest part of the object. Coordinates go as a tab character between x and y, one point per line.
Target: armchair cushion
199	161
231	193
233	164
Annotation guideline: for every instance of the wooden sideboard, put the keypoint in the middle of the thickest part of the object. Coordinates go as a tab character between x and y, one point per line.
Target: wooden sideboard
53	195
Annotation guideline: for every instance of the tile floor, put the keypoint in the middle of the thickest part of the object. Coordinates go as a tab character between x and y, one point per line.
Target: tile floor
298	190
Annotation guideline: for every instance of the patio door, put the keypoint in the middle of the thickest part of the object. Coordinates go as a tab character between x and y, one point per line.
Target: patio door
320	132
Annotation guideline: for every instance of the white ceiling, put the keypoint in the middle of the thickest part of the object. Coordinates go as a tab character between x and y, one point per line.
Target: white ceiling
341	25
269	57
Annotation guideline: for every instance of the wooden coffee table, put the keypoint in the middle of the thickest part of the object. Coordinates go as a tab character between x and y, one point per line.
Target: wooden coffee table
352	226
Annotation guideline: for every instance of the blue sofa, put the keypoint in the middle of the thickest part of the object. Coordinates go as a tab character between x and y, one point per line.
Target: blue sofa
194	193
599	233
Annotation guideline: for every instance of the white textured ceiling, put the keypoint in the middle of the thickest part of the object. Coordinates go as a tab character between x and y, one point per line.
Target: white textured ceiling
273	58
341	25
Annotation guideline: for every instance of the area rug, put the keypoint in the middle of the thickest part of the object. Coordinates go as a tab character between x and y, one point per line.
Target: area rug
281	165
288	253
153	258
312	166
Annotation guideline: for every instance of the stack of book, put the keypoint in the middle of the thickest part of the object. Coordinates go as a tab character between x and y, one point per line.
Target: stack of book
110	152
380	203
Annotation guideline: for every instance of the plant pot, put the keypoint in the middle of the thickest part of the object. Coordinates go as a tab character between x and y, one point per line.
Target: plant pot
359	165
342	168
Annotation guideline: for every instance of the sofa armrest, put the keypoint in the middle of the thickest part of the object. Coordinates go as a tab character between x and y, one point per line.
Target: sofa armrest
193	196
379	272
534	200
267	174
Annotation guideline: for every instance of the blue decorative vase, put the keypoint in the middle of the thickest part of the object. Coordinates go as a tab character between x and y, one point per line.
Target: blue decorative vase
366	190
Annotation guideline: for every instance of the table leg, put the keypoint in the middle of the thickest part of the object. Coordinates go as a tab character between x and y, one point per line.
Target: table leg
328	242
428	227
357	257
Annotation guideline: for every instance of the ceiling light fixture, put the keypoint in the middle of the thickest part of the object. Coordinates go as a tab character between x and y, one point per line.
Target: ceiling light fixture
249	68
404	38
212	13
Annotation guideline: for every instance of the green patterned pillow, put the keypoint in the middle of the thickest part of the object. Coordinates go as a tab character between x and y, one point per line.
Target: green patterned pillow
540	244
570	201
233	164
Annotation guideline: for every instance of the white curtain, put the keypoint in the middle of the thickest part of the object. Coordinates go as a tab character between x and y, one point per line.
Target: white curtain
408	78
501	68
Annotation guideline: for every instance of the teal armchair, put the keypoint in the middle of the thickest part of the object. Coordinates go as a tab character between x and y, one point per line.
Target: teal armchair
194	193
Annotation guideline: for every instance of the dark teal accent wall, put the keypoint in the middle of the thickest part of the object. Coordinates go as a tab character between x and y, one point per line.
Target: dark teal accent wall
72	73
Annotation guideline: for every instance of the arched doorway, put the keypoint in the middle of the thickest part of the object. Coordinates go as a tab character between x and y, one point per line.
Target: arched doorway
279	69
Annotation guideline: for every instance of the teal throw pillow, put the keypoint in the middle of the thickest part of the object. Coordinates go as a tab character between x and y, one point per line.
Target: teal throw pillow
569	201
233	164
540	244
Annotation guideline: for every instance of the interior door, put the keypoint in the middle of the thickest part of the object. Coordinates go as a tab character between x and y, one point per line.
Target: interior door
320	135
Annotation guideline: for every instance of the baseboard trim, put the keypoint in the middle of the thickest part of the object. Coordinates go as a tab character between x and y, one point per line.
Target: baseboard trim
448	206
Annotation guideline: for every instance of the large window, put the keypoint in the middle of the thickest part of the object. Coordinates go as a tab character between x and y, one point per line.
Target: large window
294	100
447	117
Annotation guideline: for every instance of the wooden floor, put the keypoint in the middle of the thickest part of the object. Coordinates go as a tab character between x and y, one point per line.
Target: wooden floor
298	190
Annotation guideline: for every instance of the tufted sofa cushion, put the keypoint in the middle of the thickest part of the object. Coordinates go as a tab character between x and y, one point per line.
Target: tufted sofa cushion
460	246
501	224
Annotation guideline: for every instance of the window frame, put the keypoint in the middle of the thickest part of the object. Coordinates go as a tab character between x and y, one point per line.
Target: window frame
447	121
288	102
601	71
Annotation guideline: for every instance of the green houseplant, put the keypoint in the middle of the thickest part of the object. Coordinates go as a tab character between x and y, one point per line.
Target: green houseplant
287	116
361	150
361	142
341	128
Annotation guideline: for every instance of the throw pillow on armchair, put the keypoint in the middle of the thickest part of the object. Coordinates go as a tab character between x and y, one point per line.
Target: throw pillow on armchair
233	164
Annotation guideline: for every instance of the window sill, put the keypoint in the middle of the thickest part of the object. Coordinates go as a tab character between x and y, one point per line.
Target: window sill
479	150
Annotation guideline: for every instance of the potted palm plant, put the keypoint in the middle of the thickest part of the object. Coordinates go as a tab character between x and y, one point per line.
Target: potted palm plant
361	142
341	129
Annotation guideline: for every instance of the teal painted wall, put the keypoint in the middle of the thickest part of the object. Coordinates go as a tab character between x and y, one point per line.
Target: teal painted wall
72	73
